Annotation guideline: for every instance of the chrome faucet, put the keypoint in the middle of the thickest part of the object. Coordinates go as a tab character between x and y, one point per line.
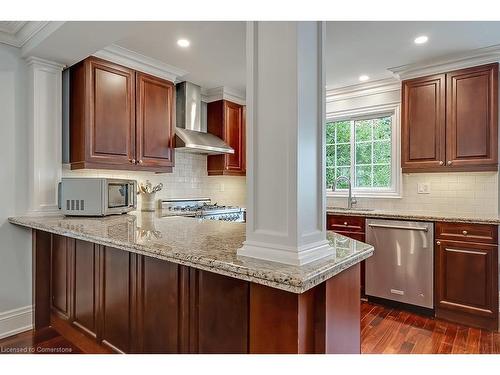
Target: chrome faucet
351	199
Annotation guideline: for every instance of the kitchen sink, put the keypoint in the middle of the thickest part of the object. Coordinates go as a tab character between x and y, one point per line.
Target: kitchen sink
360	209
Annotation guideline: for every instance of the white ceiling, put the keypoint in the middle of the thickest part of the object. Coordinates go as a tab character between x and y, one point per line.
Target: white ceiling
355	48
216	56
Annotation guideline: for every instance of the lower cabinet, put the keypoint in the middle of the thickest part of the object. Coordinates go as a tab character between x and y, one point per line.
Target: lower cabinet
116	298
84	286
352	227
138	304
466	276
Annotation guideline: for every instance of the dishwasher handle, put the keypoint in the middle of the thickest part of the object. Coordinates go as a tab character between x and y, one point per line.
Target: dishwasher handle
421	229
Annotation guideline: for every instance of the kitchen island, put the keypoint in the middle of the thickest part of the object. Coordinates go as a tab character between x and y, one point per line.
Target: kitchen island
141	283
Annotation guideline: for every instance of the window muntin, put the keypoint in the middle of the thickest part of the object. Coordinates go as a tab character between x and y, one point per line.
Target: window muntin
361	149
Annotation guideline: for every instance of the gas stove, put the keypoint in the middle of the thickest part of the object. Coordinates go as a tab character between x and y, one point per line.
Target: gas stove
202	208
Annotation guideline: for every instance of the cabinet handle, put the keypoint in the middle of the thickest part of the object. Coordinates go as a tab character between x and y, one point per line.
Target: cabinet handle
131	161
140	161
345	223
441	162
464	233
449	162
438	242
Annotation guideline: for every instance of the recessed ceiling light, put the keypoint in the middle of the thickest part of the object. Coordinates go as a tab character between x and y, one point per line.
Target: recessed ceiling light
184	43
363	78
421	39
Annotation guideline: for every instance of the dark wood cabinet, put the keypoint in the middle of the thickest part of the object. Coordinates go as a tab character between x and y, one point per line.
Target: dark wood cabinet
60	276
423	123
466	275
450	121
161	305
154	121
219	309
472	117
226	120
85	287
352	227
116	298
126	302
119	118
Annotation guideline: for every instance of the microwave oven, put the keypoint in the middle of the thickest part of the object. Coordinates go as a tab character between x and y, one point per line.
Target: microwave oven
96	196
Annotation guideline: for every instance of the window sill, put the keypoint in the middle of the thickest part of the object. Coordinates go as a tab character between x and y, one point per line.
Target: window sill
384	195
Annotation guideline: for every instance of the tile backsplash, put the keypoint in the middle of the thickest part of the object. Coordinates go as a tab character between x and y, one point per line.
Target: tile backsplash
189	179
455	193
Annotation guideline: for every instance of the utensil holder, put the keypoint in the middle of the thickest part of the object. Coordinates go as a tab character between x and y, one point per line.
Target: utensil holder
148	202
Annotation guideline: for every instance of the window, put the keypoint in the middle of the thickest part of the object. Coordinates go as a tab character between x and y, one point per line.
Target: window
363	148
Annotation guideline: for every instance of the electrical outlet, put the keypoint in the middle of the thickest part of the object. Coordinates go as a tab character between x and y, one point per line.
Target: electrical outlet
423	188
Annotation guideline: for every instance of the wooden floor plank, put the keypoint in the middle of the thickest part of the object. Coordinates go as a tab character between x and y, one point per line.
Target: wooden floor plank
412	333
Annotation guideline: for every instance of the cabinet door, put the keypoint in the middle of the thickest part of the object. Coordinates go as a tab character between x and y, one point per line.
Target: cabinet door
154	121
60	276
219	313
111	105
423	124
472	118
234	135
116	298
85	287
467	282
159	292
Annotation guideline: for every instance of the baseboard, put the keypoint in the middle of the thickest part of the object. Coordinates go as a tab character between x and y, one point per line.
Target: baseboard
16	321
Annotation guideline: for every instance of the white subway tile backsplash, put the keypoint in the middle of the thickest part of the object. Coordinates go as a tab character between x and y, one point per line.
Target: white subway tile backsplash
459	193
189	179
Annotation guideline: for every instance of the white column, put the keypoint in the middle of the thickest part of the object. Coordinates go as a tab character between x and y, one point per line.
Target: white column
285	142
45	128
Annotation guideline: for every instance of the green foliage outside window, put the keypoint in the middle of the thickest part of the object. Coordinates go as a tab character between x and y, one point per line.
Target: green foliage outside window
371	139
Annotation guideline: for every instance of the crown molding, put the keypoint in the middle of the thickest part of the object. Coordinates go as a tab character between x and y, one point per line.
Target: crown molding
223	93
363	89
136	61
38	62
24	33
475	57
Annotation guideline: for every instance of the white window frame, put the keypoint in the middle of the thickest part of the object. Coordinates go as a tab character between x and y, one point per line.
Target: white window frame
392	110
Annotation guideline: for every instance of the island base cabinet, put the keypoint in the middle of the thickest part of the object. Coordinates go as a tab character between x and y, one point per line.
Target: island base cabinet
110	300
324	319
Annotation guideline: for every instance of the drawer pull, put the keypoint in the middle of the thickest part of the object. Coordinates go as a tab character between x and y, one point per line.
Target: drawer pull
438	243
345	223
464	232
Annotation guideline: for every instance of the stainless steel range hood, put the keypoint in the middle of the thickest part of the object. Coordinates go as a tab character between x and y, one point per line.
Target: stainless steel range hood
190	134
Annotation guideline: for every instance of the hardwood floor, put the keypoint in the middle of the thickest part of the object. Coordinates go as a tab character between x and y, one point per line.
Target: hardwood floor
383	330
44	341
388	330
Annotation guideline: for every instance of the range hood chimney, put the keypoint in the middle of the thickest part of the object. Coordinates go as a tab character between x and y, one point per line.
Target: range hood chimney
190	134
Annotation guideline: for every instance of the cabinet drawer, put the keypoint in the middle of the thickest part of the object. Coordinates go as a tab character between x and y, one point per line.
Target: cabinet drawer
481	233
343	223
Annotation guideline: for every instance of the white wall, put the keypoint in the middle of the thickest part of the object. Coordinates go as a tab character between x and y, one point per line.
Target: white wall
15	243
454	193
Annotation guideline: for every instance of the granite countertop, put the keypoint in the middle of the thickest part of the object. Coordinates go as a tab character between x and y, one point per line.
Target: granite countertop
203	244
416	215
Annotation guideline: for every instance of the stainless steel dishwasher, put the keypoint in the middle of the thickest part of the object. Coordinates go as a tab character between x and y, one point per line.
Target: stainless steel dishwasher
401	268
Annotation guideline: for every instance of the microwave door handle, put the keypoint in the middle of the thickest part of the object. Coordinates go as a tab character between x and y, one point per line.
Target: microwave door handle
132	193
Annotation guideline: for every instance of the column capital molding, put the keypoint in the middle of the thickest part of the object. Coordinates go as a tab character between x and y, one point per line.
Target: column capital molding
33	61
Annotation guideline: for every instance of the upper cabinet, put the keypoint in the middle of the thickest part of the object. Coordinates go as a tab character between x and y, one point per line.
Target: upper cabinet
226	120
450	121
154	121
120	118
